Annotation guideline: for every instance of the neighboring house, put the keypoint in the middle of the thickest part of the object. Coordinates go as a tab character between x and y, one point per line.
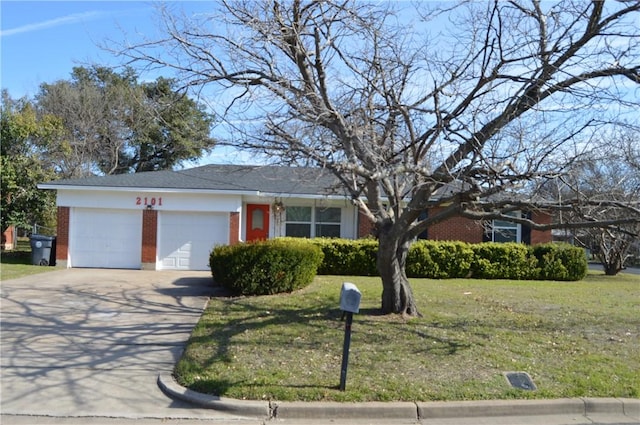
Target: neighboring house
9	238
170	220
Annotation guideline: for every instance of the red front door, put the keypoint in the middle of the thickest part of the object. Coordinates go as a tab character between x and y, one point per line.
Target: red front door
257	222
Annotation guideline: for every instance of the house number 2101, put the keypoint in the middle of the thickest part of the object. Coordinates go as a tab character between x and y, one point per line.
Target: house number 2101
149	201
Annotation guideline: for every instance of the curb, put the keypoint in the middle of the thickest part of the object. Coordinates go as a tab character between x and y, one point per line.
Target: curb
585	407
337	410
257	409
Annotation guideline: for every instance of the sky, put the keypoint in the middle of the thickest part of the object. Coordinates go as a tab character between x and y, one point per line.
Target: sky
41	42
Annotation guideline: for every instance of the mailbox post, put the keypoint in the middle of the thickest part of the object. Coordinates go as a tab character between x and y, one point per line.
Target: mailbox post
349	303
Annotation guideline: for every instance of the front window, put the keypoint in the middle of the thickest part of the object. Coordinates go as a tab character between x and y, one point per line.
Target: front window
425	233
298	222
328	222
310	222
506	231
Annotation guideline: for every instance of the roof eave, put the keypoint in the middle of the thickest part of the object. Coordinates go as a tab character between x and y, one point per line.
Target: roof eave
190	190
303	195
146	189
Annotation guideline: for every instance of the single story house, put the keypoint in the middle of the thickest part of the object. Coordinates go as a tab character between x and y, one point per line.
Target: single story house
170	220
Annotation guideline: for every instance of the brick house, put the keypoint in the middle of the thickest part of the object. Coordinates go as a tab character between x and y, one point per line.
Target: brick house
170	220
9	238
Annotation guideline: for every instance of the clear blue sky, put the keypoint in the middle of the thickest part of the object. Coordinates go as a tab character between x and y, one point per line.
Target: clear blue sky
43	40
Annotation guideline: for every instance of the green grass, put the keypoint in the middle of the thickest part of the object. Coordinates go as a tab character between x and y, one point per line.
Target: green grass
575	339
17	262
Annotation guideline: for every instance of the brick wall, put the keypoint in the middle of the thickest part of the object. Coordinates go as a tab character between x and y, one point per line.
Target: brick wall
365	226
453	229
8	238
462	229
456	229
62	237
149	238
234	228
538	236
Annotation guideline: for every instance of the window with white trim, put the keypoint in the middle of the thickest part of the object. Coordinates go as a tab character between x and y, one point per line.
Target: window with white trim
312	222
327	222
506	231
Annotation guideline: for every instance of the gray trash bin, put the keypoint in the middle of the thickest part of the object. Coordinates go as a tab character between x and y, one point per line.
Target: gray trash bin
41	249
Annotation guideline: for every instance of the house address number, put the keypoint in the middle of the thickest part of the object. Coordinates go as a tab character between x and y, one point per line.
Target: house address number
149	201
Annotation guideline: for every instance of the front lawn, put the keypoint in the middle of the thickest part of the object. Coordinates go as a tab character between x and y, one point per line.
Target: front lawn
17	263
575	339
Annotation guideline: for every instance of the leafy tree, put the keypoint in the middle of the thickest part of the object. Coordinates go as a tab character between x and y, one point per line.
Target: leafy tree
490	104
114	124
22	166
176	129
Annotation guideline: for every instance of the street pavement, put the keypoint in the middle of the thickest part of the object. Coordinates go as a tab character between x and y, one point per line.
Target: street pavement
88	346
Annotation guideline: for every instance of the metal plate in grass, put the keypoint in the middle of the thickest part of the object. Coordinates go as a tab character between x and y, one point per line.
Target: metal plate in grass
520	380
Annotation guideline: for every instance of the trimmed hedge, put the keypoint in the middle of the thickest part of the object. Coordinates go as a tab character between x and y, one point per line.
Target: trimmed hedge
560	262
445	260
494	260
439	260
286	264
347	257
266	267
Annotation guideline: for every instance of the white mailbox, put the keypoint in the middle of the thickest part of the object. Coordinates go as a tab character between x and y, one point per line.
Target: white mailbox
350	298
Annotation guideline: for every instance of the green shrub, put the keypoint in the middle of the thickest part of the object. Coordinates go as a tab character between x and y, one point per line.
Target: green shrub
560	261
439	260
267	267
446	259
503	261
420	263
345	257
286	264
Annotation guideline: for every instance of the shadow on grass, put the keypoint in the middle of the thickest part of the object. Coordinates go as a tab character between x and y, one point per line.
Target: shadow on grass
16	257
254	319
243	322
217	387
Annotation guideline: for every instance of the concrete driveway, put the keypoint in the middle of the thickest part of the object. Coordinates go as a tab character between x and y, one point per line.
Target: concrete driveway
89	342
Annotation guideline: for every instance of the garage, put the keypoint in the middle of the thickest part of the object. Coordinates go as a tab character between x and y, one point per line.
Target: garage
185	239
172	219
105	238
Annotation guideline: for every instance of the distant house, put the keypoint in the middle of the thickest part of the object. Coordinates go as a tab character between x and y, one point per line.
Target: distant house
170	220
9	238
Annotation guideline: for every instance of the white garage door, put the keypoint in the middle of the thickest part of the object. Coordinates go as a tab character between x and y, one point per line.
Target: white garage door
185	239
105	238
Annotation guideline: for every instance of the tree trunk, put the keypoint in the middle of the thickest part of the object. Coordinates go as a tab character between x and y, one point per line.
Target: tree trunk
611	269
612	253
397	296
612	266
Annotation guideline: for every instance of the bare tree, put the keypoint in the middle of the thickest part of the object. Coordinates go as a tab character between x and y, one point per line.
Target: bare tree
412	109
602	186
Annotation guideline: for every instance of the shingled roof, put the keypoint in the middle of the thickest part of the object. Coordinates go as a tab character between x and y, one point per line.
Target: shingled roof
218	178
